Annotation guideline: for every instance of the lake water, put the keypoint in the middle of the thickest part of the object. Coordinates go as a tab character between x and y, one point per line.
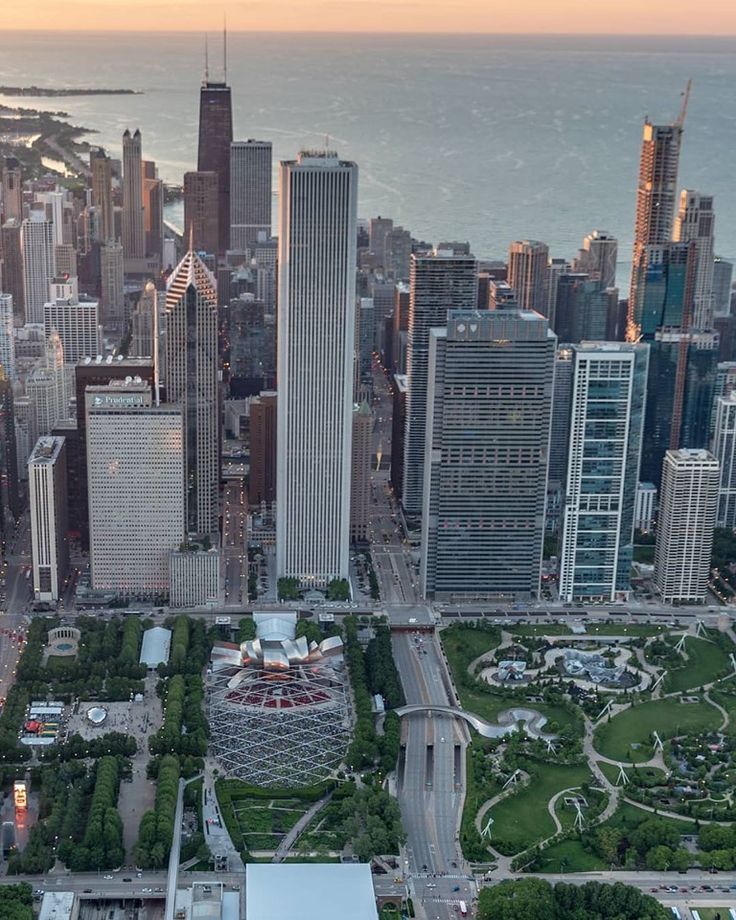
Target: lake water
479	138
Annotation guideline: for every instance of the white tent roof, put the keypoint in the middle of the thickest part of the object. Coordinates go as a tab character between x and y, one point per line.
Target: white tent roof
156	647
309	891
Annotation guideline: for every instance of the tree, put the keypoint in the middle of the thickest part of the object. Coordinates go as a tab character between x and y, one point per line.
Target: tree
659	859
512	900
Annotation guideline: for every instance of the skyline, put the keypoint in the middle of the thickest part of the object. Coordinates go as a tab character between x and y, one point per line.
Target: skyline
718	17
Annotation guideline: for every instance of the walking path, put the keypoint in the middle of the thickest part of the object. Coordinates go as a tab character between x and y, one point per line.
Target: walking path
282	851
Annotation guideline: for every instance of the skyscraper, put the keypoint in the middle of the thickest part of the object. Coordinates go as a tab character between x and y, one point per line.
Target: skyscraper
153	209
47	389
360	472
12	182
201	202
722	275
134	233
250	192
695	222
439	282
487	441
316	335
215	138
724	450
12	250
10	498
48	498
655	203
101	165
688	505
607	417
112	283
598	257
262	436
135	462
191	380
527	274
39	265
7	336
77	322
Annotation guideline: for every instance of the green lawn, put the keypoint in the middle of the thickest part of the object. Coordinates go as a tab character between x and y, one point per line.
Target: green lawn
710	913
569	856
727	699
611	772
464	644
704	663
627	817
669	717
523	818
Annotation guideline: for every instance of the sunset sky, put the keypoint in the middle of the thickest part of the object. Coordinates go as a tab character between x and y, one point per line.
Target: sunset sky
678	17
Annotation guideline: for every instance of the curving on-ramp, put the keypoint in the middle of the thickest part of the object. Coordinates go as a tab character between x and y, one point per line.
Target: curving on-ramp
509	720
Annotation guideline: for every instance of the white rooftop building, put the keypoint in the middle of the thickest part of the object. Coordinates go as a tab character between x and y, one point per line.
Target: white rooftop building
329	891
156	647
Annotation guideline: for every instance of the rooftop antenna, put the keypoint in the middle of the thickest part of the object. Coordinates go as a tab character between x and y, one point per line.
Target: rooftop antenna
683	108
191	236
224	47
206	61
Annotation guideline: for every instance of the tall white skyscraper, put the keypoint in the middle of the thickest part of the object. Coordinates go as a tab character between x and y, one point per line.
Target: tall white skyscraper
77	323
695	220
135	469
688	504
316	335
724	449
7	335
439	282
48	500
47	389
606	422
134	226
250	192
39	263
191	381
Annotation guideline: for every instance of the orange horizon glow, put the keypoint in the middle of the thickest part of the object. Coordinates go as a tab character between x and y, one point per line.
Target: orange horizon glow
553	17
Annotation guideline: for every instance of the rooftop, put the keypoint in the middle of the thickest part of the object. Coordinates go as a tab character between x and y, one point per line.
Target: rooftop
155	647
309	891
47	450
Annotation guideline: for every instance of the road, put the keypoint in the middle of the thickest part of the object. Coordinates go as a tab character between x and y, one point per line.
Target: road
391	554
234	554
431	781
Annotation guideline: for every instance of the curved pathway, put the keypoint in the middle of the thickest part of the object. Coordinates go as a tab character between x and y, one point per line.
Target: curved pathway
726	718
551	805
508	720
291	838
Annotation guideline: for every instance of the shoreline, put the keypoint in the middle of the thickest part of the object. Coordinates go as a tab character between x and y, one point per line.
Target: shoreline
48	91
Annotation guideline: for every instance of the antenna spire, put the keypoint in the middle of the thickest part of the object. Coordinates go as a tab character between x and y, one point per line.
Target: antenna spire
683	108
191	236
224	47
206	60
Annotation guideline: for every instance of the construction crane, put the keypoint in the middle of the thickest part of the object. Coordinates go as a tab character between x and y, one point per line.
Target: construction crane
683	108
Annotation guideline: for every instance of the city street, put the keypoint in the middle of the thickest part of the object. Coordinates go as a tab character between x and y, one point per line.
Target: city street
234	555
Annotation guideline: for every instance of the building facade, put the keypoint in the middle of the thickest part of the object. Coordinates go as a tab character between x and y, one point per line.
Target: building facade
194	577
688	506
201	220
606	424
250	192
316	323
191	381
527	274
213	155
48	500
439	282
488	429
262	430
724	449
695	221
360	473
133	219
135	467
39	264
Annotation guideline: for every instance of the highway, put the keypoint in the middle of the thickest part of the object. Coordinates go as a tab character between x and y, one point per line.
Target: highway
431	783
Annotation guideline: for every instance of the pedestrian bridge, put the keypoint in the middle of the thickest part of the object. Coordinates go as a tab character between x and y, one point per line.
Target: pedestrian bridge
509	720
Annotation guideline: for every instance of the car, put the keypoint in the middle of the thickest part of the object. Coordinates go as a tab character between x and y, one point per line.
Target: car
87	891
108	877
146	890
456	888
127	879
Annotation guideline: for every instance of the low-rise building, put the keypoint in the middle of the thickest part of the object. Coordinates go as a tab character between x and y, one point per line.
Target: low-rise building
194	575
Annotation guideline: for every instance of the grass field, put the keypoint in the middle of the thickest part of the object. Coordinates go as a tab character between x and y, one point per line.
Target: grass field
614	739
727	699
464	644
611	772
704	663
627	817
523	818
710	913
569	856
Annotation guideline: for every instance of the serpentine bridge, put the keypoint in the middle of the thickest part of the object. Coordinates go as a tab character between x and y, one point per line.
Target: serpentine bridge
509	720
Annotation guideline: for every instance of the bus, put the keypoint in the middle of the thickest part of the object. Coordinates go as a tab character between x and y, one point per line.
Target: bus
463	909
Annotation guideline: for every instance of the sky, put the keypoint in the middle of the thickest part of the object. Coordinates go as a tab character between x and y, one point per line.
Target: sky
657	17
